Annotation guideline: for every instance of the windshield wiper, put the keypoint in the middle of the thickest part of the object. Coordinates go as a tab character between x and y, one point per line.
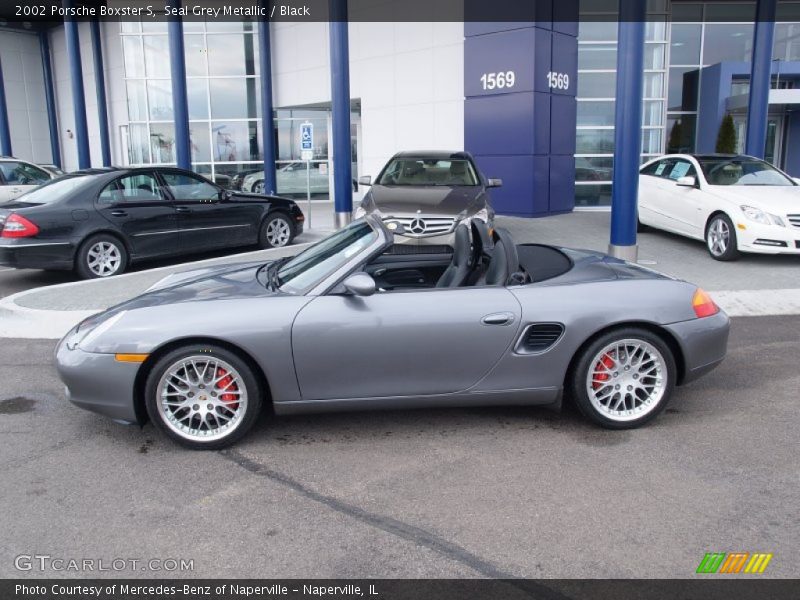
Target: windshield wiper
273	282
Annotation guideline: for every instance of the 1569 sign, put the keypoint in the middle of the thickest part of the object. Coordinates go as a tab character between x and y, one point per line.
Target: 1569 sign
499	81
557	81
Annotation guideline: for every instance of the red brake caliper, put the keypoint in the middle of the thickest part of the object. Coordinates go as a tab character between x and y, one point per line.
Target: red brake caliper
601	376
226	383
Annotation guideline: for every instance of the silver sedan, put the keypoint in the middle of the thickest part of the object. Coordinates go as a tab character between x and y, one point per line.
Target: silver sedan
354	323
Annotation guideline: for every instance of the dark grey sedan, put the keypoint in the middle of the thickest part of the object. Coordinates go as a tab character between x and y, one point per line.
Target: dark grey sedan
347	324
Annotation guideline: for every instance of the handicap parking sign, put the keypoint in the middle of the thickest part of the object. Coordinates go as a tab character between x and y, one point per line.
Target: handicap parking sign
306	136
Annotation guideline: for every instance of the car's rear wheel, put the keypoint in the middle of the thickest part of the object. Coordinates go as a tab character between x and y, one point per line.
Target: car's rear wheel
101	256
258	187
276	231
204	398
624	378
721	238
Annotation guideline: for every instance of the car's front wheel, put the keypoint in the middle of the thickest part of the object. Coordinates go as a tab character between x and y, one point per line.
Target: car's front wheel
258	187
721	238
277	231
101	256
624	378
203	397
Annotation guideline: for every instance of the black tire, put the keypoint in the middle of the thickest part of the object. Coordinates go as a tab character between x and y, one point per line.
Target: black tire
258	187
87	268
731	250
277	231
594	361
243	421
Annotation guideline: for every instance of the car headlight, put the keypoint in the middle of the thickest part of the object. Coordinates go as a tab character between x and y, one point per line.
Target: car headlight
760	216
90	329
359	212
482	214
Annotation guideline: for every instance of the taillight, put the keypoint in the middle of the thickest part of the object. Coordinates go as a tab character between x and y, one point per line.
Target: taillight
703	305
17	226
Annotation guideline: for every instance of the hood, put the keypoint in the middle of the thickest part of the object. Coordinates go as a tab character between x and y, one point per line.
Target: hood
429	200
777	199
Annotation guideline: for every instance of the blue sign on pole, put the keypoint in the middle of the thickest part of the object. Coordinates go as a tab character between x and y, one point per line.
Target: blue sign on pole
306	138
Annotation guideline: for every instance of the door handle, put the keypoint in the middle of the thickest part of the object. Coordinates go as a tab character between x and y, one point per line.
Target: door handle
503	318
183	209
119	213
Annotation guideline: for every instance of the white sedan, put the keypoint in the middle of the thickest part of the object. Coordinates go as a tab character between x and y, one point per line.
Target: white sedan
734	203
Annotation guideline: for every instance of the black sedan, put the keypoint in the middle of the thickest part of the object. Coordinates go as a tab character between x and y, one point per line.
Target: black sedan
98	221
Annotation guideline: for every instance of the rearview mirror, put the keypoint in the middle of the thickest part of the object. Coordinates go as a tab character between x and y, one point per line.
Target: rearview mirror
494	183
365	180
687	181
359	284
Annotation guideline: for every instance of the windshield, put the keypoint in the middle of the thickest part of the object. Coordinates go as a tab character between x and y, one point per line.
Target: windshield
424	171
55	189
742	171
323	258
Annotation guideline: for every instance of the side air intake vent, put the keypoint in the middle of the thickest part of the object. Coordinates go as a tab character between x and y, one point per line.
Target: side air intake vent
539	337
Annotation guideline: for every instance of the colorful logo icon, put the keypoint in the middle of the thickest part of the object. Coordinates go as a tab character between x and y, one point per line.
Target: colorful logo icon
734	562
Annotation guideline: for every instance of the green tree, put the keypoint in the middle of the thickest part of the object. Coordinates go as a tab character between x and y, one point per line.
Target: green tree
675	137
726	139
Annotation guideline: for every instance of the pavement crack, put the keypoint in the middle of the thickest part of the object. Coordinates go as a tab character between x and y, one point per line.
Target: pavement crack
397	528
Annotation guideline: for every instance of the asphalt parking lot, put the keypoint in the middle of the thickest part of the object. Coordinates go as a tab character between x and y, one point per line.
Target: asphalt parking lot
443	493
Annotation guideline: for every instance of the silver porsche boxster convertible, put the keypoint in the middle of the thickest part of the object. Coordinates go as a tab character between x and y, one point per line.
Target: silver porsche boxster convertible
357	322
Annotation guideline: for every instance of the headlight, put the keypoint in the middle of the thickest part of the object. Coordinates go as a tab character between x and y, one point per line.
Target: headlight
90	329
759	216
482	214
359	212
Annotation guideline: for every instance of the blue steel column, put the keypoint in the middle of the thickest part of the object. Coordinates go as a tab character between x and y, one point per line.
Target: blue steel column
267	126
100	84
78	98
180	103
50	99
340	108
760	74
5	130
627	129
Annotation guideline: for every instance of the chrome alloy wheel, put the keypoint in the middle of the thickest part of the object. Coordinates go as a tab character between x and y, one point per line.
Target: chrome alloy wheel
627	381
104	259
719	237
258	187
202	398
278	233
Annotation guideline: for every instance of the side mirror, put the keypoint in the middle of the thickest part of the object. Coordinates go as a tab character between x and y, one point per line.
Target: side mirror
365	180
493	183
359	284
686	181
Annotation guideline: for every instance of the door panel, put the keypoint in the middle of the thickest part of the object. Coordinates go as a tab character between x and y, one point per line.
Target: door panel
682	203
207	221
137	206
405	343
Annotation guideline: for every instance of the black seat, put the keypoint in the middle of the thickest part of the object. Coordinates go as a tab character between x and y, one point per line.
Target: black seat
504	262
461	264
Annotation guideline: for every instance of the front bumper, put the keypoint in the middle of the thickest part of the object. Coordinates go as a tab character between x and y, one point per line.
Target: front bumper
445	239
703	342
768	239
98	382
25	254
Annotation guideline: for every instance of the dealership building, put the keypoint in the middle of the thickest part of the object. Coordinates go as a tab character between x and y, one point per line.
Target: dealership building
533	101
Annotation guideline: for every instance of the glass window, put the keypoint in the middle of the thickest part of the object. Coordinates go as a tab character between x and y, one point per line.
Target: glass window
594	141
154	26
195	50
20	173
731	11
197	96
138	144
683	85
593	168
156	55
596	113
686	12
597	56
200	142
653	169
727	42
229	26
184	186
162	142
231	54
597	85
137	100
653	85
129	26
651	141
680	168
681	131
684	46
742	171
597	31
132	49
56	189
142	187
593	194
787	41
653	56
652	113
422	171
655	29
235	141
159	97
234	98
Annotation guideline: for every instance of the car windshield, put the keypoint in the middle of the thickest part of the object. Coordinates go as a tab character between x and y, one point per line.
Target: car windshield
428	171
323	258
55	189
742	171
